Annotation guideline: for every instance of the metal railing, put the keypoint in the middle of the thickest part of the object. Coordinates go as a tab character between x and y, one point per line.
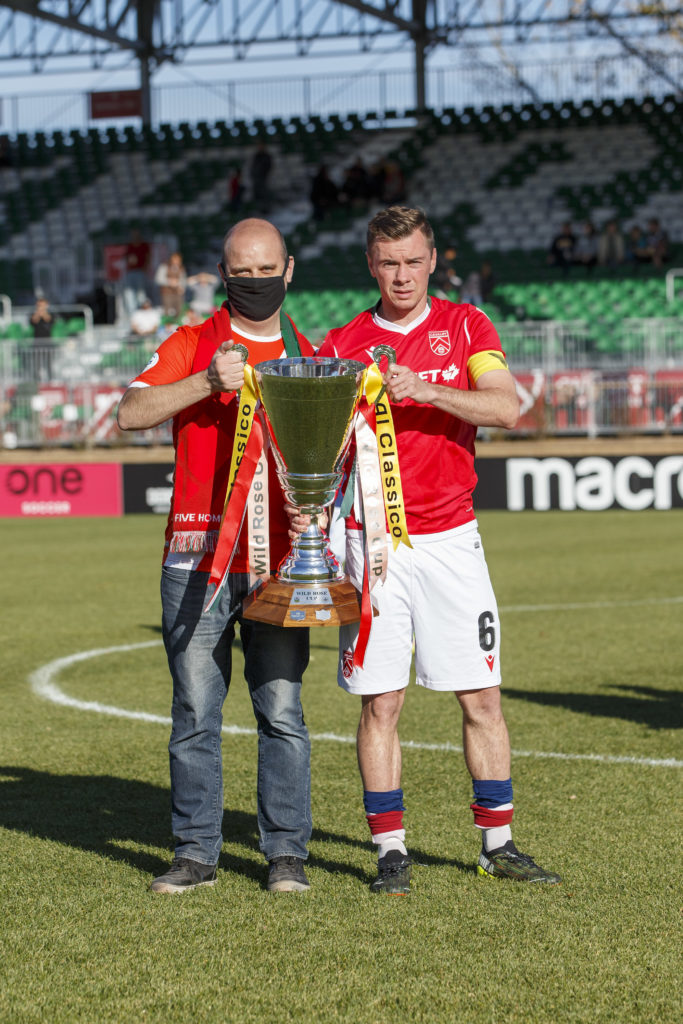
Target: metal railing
461	84
67	393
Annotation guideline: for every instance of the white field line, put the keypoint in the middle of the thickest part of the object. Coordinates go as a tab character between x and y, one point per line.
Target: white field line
43	685
580	605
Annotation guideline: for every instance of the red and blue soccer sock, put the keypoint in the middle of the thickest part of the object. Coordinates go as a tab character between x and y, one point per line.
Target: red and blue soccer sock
384	813
493	811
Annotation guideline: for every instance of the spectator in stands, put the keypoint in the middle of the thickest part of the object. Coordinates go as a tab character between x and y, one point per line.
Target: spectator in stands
445	278
42	322
487	280
203	293
478	285
561	252
611	249
145	321
135	278
586	247
471	289
5	152
324	193
657	242
260	169
171	280
235	191
42	319
376	180
636	246
394	184
355	189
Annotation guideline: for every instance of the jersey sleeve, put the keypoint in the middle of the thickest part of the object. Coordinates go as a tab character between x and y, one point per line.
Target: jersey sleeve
328	347
172	361
485	350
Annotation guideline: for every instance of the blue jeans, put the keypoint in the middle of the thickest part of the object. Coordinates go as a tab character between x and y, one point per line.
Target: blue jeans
199	651
134	287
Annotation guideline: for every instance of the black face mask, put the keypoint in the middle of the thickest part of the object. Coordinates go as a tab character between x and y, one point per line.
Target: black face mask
256	298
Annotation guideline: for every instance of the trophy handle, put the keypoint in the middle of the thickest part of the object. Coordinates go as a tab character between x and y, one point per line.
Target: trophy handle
377	353
244	351
384	350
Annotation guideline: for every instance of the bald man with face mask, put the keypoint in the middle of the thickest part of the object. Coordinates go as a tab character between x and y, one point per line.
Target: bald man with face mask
194	379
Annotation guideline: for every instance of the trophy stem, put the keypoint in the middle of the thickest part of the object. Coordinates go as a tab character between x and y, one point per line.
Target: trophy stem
310	559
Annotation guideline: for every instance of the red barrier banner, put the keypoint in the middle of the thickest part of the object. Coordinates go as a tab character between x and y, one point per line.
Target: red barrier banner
64	489
121	103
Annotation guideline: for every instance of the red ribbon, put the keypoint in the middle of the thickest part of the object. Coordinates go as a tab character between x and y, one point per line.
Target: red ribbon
235	509
365	619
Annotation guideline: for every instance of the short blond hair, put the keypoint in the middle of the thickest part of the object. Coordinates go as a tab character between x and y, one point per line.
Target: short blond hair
397	222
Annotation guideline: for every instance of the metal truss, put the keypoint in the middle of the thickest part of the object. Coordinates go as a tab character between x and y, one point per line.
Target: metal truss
68	35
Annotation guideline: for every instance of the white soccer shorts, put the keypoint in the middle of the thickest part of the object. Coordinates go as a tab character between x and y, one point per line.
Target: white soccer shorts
437	593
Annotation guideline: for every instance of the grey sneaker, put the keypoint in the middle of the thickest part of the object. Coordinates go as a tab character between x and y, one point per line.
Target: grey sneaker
183	875
508	862
393	874
287	875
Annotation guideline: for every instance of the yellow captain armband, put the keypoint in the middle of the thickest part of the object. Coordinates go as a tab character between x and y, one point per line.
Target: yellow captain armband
482	362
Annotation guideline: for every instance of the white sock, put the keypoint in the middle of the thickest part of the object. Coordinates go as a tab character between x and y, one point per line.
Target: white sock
494	838
390	841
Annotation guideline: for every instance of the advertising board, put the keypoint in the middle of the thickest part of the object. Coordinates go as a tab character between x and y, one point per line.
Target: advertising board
61	489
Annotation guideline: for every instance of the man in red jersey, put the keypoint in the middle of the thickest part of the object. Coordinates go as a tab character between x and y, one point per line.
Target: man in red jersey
450	377
193	377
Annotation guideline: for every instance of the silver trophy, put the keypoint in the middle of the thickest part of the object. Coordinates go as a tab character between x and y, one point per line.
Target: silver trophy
310	404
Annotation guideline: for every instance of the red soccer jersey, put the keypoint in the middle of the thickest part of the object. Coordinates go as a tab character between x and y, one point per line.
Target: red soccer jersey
173	361
435	449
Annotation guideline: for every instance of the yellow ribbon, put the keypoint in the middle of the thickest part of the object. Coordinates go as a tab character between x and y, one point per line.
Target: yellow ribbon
388	457
248	397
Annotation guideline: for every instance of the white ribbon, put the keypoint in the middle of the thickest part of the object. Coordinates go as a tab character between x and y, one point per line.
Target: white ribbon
258	521
369	501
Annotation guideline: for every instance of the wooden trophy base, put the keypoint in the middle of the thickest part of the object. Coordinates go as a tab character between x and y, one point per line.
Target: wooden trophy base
288	604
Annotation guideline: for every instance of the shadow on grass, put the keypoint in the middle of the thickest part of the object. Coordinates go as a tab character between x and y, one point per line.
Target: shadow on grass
236	640
658	709
106	815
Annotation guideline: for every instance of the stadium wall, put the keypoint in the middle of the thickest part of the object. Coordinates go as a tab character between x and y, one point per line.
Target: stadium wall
574	474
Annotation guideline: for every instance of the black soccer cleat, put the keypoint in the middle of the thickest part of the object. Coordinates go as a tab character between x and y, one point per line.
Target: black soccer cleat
508	862
393	875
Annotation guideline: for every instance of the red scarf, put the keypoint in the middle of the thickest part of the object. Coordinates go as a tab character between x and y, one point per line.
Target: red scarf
203	436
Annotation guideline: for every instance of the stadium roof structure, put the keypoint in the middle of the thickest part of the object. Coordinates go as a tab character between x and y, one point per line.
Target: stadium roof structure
82	35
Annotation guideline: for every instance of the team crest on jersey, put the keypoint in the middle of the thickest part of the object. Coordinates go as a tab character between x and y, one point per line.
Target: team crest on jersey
439	342
153	362
347	663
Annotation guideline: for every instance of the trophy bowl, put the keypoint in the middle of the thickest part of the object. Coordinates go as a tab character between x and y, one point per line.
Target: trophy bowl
310	404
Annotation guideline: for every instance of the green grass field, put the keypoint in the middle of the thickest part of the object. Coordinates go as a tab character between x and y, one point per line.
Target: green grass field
591	607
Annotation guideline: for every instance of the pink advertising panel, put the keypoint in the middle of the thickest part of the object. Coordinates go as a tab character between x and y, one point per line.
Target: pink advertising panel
64	489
